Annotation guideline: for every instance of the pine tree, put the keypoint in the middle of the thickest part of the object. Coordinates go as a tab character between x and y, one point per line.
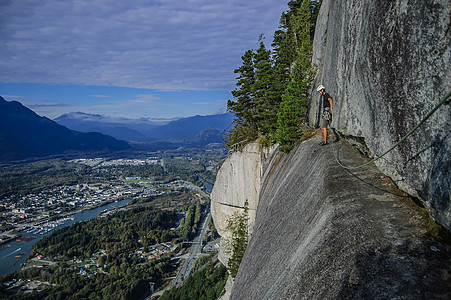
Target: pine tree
314	11
244	106
292	111
294	106
265	113
238	225
282	56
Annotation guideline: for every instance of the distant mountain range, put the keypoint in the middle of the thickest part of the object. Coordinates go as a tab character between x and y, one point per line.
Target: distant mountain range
198	130
25	134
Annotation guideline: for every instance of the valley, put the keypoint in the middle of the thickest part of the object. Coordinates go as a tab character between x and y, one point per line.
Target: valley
42	201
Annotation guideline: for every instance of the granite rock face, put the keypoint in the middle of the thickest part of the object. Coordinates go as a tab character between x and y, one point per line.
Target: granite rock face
322	232
238	180
387	64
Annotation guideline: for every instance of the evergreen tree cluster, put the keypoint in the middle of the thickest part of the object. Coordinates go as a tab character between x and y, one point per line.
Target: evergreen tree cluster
189	225
118	233
271	98
238	225
206	284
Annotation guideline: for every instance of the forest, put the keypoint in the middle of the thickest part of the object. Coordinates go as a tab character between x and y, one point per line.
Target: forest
272	94
33	177
121	273
116	233
206	284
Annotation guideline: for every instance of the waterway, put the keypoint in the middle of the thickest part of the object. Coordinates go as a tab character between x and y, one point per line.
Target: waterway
208	185
9	263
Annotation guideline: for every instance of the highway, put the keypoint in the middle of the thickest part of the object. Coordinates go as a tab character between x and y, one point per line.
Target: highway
197	189
194	253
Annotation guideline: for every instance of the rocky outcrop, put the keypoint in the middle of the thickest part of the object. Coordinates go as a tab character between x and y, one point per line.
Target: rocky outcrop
238	180
322	232
387	64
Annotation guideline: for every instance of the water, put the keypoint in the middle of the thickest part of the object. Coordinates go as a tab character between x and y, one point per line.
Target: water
8	261
208	185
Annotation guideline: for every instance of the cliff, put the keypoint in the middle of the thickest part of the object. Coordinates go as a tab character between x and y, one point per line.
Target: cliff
387	64
322	232
238	180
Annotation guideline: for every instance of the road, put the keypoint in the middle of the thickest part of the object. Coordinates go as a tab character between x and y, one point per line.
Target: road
197	189
195	250
194	253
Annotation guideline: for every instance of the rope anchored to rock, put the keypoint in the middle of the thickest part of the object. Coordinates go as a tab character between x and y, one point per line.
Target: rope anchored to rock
400	141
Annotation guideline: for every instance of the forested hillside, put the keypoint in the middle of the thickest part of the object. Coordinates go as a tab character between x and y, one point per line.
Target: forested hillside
25	134
112	255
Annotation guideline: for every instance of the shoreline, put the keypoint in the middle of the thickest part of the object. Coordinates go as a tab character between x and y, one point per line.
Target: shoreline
10	240
29	242
21	227
63	215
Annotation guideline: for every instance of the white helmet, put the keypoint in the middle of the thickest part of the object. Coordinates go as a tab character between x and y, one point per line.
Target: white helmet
320	87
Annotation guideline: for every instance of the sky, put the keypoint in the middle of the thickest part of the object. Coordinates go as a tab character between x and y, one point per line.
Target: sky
156	59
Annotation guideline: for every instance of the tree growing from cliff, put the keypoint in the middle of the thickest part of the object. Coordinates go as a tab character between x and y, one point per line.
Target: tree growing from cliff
265	99
290	117
238	225
271	84
244	106
294	106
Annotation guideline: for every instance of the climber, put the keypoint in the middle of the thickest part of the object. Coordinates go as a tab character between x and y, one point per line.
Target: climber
326	115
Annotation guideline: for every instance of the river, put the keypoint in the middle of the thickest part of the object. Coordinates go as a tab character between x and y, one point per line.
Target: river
208	185
8	261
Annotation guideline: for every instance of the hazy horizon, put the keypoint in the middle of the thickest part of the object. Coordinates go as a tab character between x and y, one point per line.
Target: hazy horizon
163	59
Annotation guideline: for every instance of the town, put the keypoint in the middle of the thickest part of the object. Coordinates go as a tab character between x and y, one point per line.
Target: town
30	211
174	183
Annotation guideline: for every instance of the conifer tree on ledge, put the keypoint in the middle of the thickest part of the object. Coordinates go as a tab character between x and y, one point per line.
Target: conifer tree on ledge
244	107
238	225
271	98
294	107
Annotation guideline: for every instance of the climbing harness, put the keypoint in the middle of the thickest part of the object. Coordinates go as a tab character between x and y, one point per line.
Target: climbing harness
326	114
399	142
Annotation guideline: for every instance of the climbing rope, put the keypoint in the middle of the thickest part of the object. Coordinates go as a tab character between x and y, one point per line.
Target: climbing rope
399	142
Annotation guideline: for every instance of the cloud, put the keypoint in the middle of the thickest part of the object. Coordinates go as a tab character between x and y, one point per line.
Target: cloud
145	98
134	106
161	44
45	105
220	111
101	96
12	97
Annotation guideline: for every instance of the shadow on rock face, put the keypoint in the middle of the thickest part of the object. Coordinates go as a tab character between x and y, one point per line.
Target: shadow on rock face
438	182
416	269
323	232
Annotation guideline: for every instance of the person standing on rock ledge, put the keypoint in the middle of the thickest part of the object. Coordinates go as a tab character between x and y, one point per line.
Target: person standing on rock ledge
326	113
